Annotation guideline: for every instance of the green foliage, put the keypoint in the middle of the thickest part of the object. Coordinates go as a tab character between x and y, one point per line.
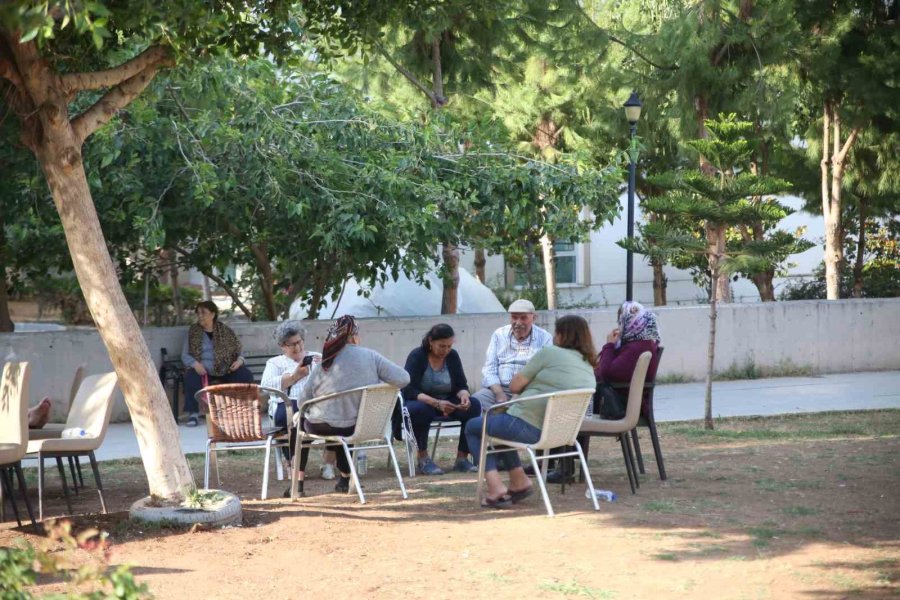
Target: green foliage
20	566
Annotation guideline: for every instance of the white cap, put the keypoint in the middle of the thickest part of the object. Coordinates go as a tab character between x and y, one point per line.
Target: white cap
521	306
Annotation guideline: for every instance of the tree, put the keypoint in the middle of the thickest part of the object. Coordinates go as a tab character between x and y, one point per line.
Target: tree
718	200
54	53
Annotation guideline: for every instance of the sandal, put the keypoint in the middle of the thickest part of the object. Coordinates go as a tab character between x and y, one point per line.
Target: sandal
516	497
503	501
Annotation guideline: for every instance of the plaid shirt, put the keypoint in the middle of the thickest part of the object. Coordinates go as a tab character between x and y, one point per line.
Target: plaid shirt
506	355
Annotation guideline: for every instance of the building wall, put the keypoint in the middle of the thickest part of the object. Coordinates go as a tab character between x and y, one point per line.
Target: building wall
602	266
826	336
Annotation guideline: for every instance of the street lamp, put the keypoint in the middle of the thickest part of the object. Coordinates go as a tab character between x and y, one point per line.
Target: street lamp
632	114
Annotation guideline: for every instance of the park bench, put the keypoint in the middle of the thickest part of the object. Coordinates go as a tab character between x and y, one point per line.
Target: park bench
171	373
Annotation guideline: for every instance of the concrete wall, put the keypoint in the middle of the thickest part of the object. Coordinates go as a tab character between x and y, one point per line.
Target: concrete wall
839	336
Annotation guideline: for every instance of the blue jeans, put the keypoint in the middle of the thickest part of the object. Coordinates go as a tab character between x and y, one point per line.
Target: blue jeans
503	426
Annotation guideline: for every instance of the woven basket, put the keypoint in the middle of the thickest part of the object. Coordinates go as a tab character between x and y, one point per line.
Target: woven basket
234	412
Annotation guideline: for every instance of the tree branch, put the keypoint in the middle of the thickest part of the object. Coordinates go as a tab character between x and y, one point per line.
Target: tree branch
114	100
107	78
409	76
854	133
622	43
221	282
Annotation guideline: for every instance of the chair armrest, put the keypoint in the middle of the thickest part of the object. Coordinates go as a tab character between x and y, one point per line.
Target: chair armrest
538	397
624	386
302	408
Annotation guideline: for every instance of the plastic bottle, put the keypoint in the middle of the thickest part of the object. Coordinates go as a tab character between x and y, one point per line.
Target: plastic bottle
73	433
361	462
604	495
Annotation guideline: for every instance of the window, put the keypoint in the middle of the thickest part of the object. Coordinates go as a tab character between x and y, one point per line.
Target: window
566	259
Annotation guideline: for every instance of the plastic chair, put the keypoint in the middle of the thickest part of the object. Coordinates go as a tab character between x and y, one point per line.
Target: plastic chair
648	420
235	423
89	415
373	423
620	428
409	438
562	420
14	434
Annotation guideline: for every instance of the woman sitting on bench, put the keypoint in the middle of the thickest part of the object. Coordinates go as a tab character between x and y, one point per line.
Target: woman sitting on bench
211	354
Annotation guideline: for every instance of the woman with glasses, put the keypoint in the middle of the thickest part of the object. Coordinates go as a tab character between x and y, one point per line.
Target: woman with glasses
289	372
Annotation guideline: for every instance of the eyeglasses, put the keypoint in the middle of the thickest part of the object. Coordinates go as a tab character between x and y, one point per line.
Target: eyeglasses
296	344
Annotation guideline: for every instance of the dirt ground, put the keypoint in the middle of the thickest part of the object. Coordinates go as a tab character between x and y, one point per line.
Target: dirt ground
791	507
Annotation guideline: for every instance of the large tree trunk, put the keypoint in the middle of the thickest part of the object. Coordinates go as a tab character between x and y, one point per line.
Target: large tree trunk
549	271
860	252
167	470
764	285
450	254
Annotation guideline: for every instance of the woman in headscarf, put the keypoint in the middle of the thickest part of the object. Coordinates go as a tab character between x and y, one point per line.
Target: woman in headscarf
637	333
345	365
211	354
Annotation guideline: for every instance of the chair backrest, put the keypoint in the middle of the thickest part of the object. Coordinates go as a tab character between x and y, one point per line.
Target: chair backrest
375	409
636	391
14	404
93	405
80	372
562	419
234	412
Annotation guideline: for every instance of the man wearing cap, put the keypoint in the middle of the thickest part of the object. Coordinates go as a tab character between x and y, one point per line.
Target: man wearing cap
510	348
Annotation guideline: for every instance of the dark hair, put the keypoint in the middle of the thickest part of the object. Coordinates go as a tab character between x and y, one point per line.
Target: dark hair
441	331
210	306
574	333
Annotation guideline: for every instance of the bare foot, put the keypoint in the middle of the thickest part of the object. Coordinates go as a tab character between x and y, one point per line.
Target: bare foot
39	415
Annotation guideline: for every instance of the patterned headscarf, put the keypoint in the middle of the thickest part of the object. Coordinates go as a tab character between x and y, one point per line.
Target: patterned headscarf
636	323
338	335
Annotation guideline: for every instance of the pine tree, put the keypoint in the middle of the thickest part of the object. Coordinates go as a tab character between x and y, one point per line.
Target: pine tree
727	195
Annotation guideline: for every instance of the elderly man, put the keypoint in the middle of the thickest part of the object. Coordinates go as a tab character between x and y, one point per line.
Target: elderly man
510	348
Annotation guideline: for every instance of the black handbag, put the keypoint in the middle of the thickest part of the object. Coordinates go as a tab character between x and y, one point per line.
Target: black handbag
612	405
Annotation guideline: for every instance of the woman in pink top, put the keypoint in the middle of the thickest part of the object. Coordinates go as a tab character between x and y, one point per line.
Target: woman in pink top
637	333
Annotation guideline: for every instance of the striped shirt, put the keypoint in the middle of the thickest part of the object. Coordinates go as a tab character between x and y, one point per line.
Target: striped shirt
506	355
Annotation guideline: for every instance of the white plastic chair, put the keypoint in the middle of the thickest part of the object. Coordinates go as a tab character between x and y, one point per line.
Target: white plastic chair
620	428
13	433
373	421
562	421
89	413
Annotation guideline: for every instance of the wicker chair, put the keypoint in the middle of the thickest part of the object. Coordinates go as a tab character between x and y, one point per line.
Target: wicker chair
235	422
373	424
621	428
13	434
562	420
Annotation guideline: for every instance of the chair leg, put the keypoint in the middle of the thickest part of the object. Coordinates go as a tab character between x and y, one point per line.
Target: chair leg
265	481
628	466
65	485
97	481
24	489
541	482
279	468
40	487
295	463
393	457
353	476
80	474
586	475
637	450
7	491
437	436
72	473
3	495
657	450
482	454
209	444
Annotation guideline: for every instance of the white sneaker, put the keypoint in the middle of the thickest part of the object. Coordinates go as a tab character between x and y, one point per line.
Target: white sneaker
327	471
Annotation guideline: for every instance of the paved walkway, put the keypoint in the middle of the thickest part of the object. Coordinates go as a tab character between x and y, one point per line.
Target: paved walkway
675	402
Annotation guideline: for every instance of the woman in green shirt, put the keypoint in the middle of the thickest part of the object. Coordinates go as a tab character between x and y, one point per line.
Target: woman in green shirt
568	364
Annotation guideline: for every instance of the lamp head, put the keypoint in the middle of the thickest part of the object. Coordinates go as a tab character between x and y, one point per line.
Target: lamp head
633	108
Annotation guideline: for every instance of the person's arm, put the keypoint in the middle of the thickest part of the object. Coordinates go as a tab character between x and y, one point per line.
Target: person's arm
415	368
521	380
490	373
458	381
186	359
390	372
618	366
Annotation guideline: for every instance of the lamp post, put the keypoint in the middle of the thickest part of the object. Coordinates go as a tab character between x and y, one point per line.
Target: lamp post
632	114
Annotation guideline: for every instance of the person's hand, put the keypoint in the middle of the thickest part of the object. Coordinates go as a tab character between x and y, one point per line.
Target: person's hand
199	368
464	402
613	336
236	365
500	397
445	407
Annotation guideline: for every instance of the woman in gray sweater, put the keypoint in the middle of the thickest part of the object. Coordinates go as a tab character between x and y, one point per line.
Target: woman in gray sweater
345	365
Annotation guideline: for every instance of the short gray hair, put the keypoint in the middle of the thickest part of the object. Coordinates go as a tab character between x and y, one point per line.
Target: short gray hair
288	329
